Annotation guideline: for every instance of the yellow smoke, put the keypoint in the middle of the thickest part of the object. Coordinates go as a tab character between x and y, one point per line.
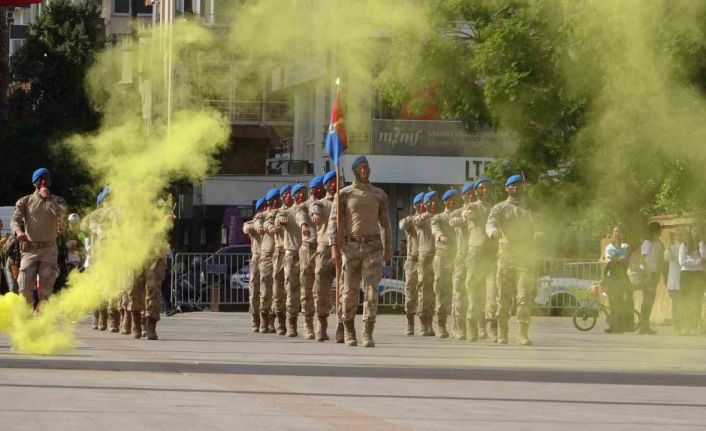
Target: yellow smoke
139	159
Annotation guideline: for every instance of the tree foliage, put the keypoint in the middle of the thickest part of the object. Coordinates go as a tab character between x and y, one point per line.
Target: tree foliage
60	48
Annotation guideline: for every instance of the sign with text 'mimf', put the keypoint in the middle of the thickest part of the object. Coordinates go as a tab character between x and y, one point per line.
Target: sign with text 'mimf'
437	138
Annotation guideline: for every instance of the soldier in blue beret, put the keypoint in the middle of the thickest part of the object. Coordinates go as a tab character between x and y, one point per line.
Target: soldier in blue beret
254	264
425	264
511	223
410	263
459	303
445	253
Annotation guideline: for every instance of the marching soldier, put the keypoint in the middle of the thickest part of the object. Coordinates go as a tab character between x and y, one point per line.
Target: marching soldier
92	225
255	248
279	296
445	246
425	264
481	256
267	248
307	263
365	235
286	219
325	271
410	264
460	299
512	224
35	223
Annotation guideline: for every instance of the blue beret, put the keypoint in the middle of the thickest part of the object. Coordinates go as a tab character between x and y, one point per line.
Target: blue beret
482	179
273	193
259	203
316	182
449	194
358	160
38	174
513	179
468	187
99	199
329	176
418	198
296	188
429	196
284	188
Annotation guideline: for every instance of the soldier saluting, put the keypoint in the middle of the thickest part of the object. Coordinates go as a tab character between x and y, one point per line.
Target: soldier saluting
35	223
511	223
362	243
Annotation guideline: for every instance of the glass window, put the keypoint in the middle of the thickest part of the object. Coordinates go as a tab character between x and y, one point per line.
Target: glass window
121	6
144	7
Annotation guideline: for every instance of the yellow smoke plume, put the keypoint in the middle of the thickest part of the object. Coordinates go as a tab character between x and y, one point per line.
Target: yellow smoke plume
138	156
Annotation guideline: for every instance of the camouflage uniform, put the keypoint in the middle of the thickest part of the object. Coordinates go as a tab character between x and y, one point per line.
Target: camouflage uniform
458	279
39	219
307	265
514	224
279	295
443	261
480	282
365	236
286	220
92	224
267	248
254	284
425	272
325	271
146	295
411	282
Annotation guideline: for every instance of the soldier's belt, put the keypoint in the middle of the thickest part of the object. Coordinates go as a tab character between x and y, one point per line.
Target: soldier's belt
362	238
412	258
309	244
37	245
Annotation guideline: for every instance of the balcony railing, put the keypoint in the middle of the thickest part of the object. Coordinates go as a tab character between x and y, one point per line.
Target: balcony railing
254	112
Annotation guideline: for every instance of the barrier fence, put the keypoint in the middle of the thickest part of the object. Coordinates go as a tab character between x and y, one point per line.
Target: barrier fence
212	280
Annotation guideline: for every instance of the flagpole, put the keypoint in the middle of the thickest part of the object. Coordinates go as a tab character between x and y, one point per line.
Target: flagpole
338	224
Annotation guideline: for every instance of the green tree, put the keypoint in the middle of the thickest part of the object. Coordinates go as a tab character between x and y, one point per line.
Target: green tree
60	48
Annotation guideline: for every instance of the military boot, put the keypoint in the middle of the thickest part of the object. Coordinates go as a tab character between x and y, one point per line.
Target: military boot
96	319
502	331
461	332
271	317
255	324
151	328
264	323
144	326
127	323
321	334
114	321
471	331
368	326
523	337
340	332
136	324
103	324
422	325
281	323
309	327
292	326
410	324
482	334
349	327
441	325
493	331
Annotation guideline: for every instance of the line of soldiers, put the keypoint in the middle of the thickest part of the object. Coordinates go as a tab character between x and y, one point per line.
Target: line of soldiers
299	240
136	310
472	263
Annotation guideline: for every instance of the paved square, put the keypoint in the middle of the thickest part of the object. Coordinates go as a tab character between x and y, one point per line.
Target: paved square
209	372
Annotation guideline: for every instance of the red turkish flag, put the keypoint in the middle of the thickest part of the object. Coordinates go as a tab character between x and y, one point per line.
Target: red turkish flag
18	2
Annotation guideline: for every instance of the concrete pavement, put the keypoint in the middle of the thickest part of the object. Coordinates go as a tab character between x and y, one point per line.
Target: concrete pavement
208	371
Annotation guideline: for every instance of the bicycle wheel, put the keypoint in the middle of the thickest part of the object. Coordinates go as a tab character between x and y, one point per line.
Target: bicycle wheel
635	322
585	318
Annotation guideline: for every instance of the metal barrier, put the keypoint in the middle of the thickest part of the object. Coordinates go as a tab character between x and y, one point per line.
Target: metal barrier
211	280
562	283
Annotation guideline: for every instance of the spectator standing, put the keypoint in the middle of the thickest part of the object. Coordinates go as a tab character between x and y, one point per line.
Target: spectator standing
671	256
691	282
616	283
